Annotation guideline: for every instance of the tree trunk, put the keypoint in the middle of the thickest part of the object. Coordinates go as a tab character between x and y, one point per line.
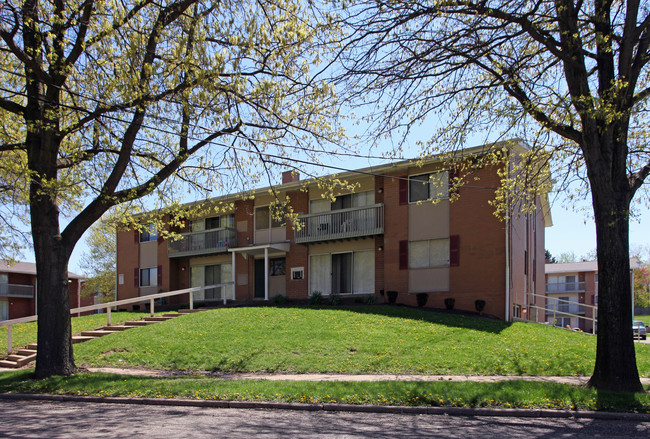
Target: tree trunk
615	367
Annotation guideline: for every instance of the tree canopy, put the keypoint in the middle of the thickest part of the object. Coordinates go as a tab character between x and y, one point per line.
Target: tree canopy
570	78
105	102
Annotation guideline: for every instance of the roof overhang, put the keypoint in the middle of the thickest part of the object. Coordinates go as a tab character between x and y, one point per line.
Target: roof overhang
259	250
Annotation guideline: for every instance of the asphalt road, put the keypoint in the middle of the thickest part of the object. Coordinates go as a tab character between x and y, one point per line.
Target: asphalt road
34	419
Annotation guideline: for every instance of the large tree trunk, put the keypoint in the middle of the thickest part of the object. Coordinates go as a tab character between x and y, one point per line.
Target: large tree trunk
615	367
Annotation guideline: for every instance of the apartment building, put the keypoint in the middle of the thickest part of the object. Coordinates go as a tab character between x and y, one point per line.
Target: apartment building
396	230
572	294
18	290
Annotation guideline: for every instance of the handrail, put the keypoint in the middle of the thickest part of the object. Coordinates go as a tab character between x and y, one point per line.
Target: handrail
108	305
550	299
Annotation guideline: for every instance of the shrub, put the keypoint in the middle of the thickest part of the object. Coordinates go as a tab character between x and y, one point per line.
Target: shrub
480	305
392	296
422	299
316	298
369	300
279	299
335	299
449	303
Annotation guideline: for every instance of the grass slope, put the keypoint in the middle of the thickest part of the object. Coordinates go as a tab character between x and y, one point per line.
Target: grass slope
364	339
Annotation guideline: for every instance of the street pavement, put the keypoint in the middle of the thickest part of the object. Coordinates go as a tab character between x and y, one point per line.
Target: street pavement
75	419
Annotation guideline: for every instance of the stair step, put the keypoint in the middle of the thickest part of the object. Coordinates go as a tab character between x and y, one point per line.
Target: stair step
31	346
172	314
81	338
15	357
157	319
19	360
95	333
115	328
9	364
25	352
139	323
188	311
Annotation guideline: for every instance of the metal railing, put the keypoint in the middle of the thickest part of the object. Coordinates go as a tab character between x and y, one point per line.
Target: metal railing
203	242
109	305
340	224
565	287
556	307
17	291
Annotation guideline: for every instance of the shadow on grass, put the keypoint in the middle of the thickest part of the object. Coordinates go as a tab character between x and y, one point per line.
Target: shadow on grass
457	320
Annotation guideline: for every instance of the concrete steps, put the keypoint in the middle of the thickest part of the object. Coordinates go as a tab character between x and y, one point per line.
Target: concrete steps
28	354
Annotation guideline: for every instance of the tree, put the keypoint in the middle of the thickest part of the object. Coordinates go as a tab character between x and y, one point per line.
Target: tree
550	259
99	262
106	102
642	287
571	78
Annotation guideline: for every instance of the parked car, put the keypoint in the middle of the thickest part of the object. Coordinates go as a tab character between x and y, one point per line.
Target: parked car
638	327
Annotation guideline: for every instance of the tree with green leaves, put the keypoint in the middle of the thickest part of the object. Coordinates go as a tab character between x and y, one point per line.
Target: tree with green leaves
99	262
107	102
570	78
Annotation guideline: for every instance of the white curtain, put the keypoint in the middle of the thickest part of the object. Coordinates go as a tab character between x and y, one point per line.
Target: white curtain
4	310
320	269
439	253
363	276
226	276
197	276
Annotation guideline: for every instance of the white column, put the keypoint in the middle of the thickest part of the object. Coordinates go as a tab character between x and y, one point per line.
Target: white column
266	273
234	276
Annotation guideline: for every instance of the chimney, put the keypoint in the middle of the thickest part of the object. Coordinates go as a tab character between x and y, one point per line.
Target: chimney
290	176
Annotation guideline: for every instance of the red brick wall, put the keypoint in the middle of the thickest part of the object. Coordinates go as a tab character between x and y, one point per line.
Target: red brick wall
298	255
481	272
244	211
395	230
127	261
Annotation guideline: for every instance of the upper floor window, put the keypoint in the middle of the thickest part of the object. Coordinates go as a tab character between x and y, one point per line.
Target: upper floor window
215	222
358	199
433	186
148	233
266	218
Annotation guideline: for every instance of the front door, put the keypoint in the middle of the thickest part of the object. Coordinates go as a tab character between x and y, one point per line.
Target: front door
259	278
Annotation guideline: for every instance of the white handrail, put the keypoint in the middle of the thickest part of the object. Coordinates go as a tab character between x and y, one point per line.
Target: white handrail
108	305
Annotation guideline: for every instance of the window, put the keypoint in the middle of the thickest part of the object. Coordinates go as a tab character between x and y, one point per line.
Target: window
148	233
4	310
263	217
120	279
149	277
205	275
429	253
277	267
219	222
429	187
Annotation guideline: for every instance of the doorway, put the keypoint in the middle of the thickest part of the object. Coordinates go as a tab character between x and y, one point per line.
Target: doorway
342	273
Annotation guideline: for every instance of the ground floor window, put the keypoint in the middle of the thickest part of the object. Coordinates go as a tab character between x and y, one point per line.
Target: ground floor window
342	273
4	310
205	275
563	322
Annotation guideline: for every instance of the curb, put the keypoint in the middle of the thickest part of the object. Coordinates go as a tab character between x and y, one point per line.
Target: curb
449	411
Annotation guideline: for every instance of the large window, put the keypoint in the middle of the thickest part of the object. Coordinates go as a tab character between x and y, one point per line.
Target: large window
277	267
205	275
425	187
148	233
343	273
429	253
149	277
265	217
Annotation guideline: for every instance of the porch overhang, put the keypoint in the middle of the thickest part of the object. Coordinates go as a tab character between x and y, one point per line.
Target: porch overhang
257	250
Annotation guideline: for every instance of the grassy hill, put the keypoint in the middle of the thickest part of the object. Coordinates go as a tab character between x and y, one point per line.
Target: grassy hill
363	339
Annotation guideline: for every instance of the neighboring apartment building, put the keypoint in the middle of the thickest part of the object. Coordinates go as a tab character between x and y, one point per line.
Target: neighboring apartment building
385	235
572	293
18	290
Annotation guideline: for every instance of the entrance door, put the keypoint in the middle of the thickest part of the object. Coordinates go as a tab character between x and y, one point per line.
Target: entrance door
342	273
259	278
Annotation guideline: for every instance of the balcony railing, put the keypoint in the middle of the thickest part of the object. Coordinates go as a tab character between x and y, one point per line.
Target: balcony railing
555	306
204	242
565	287
341	224
18	291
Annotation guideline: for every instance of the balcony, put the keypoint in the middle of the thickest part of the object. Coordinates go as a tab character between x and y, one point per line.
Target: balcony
17	291
565	287
203	243
354	222
553	307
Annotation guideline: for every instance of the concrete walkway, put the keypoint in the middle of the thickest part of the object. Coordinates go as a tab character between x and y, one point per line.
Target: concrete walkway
575	380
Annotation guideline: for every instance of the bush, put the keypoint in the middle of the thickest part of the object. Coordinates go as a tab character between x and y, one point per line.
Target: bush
279	299
449	303
335	299
369	300
480	305
392	296
422	299
316	298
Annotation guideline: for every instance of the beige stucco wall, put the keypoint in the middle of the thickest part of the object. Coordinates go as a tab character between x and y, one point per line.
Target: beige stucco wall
148	254
424	280
428	221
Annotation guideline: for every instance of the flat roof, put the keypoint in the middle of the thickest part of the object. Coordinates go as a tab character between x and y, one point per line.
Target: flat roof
578	267
28	268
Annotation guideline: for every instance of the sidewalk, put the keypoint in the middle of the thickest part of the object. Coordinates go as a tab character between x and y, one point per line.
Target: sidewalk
575	380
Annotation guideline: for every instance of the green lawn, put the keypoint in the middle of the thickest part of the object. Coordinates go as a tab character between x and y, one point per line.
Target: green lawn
364	339
644	318
509	394
25	333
